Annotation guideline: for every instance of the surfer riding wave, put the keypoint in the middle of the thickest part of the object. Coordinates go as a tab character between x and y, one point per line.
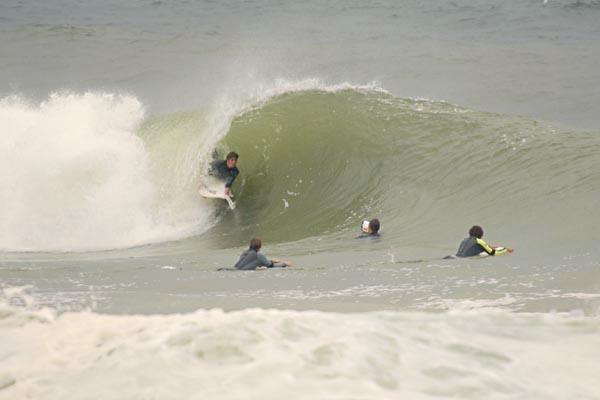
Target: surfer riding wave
226	170
223	172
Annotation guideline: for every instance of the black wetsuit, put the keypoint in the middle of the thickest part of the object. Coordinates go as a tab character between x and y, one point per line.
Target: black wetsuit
220	170
473	246
368	235
252	259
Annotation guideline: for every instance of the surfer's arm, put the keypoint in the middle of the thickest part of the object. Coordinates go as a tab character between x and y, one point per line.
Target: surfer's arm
486	247
232	175
263	261
279	263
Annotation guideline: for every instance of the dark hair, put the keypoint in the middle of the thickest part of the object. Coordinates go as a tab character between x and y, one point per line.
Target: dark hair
374	225
232	154
476	231
255	244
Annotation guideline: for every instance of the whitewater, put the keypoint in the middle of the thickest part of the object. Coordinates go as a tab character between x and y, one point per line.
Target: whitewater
430	117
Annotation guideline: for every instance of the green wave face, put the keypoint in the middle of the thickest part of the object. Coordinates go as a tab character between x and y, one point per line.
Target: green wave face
316	163
310	163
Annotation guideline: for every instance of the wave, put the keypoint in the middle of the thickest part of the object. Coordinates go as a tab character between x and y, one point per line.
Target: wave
91	171
77	176
314	354
315	162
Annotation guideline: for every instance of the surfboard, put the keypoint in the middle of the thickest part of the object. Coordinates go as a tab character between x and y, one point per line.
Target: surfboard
215	192
500	252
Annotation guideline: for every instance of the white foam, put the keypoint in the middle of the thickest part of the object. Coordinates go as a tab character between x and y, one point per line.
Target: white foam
75	176
268	354
467	304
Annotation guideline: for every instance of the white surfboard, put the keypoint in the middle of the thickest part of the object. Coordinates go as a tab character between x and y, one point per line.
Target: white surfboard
500	251
215	191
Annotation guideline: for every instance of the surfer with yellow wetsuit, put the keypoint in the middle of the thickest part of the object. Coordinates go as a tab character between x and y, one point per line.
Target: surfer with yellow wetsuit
474	245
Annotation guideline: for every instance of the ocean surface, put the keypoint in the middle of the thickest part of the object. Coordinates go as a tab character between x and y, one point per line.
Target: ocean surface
431	116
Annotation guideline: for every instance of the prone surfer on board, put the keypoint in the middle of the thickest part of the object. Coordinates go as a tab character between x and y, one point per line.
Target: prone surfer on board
226	170
252	258
474	245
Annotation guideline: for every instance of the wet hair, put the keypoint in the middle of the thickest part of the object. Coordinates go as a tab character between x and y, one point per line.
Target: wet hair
232	154
255	244
374	225
476	231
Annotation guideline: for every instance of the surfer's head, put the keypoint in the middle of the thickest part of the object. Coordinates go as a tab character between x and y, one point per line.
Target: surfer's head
374	225
232	158
255	244
476	231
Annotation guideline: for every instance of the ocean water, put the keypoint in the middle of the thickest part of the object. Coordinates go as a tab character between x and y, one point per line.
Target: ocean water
431	117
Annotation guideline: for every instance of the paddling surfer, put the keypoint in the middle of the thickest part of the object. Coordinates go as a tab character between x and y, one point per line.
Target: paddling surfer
252	258
474	245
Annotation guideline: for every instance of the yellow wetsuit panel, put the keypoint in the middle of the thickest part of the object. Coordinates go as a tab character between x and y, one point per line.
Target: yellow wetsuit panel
485	246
